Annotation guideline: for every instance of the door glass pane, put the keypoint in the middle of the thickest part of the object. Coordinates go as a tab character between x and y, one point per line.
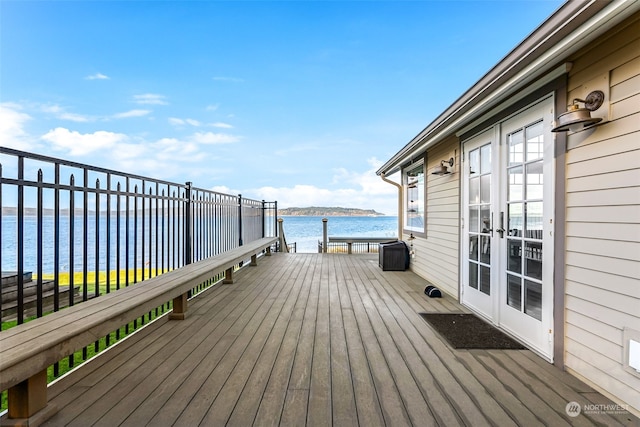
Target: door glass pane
534	181
485	218
533	260
474	190
534	220
485	280
473	275
474	162
533	299
515	219
485	159
515	184
516	148
514	255
474	215
485	189
514	292
535	141
485	249
473	248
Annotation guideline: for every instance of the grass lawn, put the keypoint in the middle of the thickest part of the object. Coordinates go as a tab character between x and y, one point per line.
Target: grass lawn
88	352
104	286
105	283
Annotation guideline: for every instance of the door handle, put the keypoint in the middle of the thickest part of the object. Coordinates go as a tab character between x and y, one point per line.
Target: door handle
501	230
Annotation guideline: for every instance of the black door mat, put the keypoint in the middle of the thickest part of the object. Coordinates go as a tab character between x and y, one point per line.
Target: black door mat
467	331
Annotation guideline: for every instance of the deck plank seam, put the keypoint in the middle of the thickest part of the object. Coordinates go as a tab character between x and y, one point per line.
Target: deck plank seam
292	332
444	357
268	321
210	328
364	320
393	321
272	359
372	293
345	293
159	362
254	315
302	334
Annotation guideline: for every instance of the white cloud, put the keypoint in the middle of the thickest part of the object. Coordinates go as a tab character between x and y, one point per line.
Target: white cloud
214	138
150	99
223	189
221	125
52	108
131	113
175	121
12	123
212	107
127	151
364	190
61	113
97	76
74	117
181	122
78	144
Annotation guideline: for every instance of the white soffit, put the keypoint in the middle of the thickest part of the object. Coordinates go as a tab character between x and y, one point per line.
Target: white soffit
601	22
614	13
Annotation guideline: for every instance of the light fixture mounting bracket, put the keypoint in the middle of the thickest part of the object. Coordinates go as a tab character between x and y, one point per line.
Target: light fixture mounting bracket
593	101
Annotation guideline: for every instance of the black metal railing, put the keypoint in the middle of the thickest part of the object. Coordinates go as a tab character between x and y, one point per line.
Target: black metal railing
353	245
70	232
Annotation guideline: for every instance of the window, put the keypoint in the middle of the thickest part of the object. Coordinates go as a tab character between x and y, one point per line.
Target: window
415	198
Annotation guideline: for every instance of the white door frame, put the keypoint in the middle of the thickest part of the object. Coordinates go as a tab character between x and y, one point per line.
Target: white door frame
536	334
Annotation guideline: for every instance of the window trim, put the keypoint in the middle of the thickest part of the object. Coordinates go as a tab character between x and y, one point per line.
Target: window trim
416	231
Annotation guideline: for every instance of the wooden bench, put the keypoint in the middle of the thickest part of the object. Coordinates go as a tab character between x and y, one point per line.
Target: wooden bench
27	350
351	240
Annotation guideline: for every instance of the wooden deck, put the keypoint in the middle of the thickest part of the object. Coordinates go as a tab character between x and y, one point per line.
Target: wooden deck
312	339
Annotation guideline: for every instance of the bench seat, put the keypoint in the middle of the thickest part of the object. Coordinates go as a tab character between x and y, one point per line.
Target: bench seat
27	350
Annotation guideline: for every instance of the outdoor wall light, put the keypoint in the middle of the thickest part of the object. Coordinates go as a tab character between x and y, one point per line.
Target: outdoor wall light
443	168
577	118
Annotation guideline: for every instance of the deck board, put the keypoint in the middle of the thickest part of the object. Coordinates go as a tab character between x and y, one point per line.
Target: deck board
315	339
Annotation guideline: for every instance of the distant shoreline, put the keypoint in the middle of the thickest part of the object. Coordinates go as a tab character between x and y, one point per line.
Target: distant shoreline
328	211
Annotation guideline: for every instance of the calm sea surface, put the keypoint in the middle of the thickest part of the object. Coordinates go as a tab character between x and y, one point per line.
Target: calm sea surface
305	231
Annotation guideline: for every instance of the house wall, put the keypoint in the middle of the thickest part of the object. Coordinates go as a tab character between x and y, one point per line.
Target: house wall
436	255
602	282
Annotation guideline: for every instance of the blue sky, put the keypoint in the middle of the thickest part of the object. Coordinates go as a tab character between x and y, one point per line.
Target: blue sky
295	101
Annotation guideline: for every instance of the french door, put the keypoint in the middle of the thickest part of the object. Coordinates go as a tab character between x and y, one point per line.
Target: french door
507	244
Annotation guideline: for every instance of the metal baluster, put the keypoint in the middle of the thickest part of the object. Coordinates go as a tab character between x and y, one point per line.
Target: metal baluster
39	297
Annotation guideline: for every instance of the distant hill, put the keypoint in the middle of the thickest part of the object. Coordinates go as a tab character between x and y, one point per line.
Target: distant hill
327	211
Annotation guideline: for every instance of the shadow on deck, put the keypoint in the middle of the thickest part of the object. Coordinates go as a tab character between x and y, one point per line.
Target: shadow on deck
316	339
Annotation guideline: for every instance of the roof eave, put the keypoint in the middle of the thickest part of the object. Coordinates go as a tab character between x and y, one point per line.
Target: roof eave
569	17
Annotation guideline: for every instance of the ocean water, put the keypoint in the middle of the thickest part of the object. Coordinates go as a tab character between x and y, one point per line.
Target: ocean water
306	231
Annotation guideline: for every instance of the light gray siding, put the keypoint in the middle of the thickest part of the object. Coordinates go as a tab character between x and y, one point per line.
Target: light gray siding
602	257
436	256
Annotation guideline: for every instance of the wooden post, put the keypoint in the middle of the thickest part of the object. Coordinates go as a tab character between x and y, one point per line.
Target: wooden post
268	251
27	402
179	308
254	260
283	240
349	247
228	276
324	235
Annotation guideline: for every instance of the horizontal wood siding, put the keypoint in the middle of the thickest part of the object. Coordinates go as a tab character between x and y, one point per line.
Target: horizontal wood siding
602	282
436	256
